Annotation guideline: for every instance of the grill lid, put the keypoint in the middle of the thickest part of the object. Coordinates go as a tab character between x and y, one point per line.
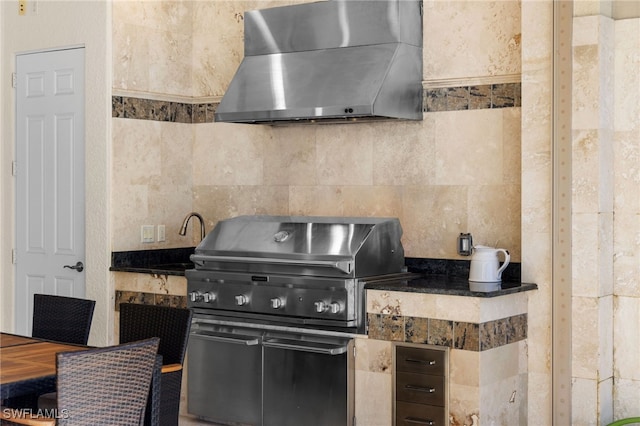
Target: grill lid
305	245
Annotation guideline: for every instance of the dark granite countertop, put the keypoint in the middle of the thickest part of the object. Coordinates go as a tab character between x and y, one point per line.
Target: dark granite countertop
435	276
160	261
446	284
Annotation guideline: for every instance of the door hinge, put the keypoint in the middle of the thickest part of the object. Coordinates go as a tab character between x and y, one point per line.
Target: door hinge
14	259
14	80
14	168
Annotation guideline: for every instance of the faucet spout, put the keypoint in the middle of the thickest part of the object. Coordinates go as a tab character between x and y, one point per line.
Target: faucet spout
183	228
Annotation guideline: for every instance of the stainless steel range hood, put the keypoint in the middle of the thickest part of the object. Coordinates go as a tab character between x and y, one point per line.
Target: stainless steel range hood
330	61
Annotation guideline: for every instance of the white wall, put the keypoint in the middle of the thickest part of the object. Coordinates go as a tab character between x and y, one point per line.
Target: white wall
60	24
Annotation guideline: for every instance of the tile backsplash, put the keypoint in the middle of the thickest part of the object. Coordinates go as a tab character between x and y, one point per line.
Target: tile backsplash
454	171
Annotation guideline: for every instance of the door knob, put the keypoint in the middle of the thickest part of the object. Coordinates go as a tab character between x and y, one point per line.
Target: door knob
78	266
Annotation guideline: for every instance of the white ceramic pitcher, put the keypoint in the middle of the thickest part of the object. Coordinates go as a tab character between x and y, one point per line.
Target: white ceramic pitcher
485	266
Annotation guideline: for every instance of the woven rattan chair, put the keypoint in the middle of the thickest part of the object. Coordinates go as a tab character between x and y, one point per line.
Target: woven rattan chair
104	386
63	319
172	326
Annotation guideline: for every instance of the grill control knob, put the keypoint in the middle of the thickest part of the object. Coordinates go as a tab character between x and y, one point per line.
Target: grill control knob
334	307
195	296
276	303
241	299
320	306
208	297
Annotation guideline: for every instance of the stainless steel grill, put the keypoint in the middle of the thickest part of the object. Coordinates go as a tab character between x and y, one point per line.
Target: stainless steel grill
277	301
300	270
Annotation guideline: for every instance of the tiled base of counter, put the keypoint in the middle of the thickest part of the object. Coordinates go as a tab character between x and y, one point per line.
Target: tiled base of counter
123	296
487	358
487	387
150	289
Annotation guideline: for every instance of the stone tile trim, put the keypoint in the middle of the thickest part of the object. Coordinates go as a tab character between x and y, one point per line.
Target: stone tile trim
160	299
453	334
152	109
489	96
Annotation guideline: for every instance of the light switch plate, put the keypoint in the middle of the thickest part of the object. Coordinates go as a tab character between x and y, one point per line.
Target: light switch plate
161	233
146	234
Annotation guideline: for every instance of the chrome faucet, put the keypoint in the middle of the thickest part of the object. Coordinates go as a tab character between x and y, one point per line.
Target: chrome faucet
183	229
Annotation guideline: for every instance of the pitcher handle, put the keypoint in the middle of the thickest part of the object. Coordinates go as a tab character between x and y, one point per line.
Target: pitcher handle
507	258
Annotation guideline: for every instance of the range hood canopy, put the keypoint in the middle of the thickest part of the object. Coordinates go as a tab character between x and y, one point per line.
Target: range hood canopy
330	61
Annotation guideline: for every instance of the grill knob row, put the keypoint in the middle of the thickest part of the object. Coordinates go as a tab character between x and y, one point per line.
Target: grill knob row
276	302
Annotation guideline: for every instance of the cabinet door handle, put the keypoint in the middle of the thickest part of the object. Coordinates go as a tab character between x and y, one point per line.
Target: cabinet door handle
420	361
420	388
419	421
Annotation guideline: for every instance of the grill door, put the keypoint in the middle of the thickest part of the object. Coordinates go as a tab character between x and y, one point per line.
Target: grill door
308	383
225	375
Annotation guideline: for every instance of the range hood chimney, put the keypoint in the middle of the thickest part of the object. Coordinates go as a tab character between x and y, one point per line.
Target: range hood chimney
330	61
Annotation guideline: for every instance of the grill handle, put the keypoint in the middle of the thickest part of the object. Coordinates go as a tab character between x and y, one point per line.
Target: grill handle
418	421
237	339
345	266
295	345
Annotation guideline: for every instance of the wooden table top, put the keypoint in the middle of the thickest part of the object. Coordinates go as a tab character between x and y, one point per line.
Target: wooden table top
13	339
26	359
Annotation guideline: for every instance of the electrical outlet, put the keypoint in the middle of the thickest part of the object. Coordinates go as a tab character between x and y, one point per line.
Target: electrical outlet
161	233
22	7
146	234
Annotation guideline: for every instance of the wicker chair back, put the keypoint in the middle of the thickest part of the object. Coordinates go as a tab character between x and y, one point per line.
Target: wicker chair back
172	326
61	318
105	386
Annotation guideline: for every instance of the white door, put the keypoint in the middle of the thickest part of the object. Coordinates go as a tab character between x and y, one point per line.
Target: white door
49	178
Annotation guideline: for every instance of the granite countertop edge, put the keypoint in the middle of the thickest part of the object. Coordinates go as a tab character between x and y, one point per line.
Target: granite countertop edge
155	270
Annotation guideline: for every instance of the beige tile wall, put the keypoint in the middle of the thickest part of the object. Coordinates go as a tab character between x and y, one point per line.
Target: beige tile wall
466	39
152	181
537	61
438	177
626	224
152	46
456	171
